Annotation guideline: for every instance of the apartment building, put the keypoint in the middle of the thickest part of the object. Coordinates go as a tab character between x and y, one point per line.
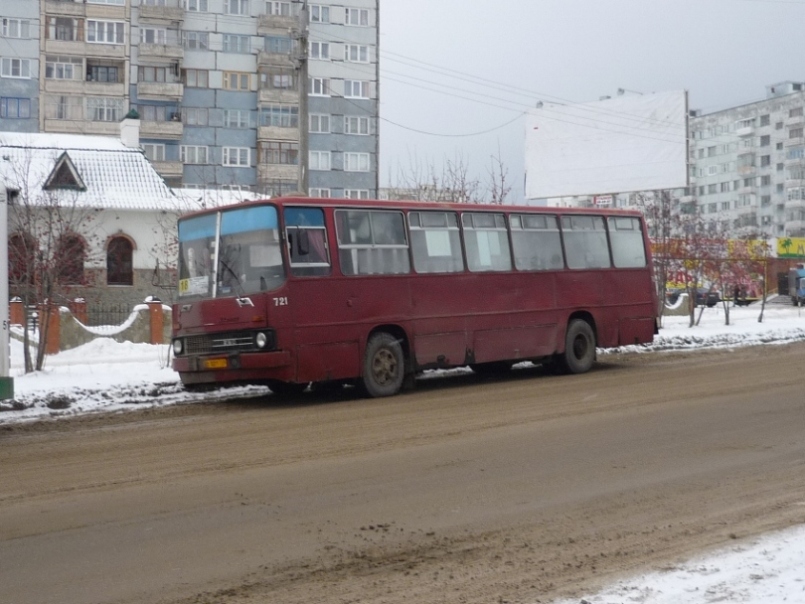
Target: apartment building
748	165
19	60
270	96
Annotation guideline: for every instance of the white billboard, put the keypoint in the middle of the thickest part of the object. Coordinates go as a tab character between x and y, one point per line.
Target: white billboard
617	145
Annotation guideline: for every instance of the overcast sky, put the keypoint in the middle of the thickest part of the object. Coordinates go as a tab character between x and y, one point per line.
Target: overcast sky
458	67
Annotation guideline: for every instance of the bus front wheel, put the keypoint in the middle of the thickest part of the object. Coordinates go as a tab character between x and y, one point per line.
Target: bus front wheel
383	365
579	347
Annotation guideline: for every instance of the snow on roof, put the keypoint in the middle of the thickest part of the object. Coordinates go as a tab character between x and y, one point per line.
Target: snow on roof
192	199
115	176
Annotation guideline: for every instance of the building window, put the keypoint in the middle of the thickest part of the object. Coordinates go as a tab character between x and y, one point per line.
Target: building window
196	78
13	108
196	6
16	68
356	125
154	152
237	157
115	2
153	35
356	89
236	80
356	162
119	267
320	50
319	123
105	32
195	116
280	153
147	73
70	255
63	68
765	120
159	113
319	87
236	7
765	181
358	17
192	154
356	193
356	53
277	79
319	160
278	9
196	40
795	133
236	118
319	192
237	44
765	140
105	109
278	45
765	160
16	28
64	107
795	112
63	28
280	116
21	259
319	14
104	73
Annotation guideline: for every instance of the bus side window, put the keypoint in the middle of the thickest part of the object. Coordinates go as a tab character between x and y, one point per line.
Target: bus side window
586	243
536	242
306	237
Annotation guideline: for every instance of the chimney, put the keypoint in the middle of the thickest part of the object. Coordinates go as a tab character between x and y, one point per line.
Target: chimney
130	130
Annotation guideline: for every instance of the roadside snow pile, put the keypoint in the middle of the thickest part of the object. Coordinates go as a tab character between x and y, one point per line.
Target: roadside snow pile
105	375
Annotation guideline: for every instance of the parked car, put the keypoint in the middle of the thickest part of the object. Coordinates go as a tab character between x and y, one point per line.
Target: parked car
704	296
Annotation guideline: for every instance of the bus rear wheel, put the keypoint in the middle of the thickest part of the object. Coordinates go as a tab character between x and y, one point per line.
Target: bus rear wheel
383	365
579	353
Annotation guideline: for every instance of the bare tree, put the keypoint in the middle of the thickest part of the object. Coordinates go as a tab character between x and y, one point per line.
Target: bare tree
49	242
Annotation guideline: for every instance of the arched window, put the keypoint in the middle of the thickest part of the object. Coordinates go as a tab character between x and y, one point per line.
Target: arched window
119	270
21	257
70	255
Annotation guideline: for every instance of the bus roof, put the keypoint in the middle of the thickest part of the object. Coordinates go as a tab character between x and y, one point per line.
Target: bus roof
329	202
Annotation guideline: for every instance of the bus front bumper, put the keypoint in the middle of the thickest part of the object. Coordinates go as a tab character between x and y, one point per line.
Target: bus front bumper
238	367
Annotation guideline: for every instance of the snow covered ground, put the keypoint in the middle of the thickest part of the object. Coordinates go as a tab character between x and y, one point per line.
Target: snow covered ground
106	376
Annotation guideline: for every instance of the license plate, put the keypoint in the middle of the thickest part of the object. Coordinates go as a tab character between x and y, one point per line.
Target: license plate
215	364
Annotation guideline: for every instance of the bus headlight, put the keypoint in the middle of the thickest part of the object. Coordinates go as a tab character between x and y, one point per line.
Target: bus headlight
261	339
177	346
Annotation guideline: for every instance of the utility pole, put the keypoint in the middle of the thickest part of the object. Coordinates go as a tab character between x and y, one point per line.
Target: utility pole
302	40
6	382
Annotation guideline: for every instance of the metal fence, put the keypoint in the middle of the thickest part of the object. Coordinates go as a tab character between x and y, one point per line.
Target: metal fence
107	314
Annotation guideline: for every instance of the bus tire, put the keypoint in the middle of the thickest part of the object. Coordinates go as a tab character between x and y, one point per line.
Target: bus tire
579	347
383	366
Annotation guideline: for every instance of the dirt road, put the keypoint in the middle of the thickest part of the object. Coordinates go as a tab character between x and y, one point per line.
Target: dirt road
516	490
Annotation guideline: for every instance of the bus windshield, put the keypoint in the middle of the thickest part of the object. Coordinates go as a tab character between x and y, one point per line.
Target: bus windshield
250	258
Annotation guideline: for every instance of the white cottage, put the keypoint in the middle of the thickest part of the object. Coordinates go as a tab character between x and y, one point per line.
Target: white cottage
92	213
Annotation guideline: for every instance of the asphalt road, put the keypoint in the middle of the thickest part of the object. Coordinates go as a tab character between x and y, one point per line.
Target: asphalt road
519	489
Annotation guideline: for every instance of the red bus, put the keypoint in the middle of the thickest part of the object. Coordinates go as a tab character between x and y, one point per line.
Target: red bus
292	291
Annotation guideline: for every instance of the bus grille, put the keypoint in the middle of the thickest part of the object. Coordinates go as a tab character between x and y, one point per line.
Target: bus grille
225	342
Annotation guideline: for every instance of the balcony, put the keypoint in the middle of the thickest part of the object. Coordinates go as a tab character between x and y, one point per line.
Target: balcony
169	52
160	90
275	133
276	59
268	24
267	96
169	169
74	47
83	127
161	130
162	13
745	131
71	9
277	172
84	88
